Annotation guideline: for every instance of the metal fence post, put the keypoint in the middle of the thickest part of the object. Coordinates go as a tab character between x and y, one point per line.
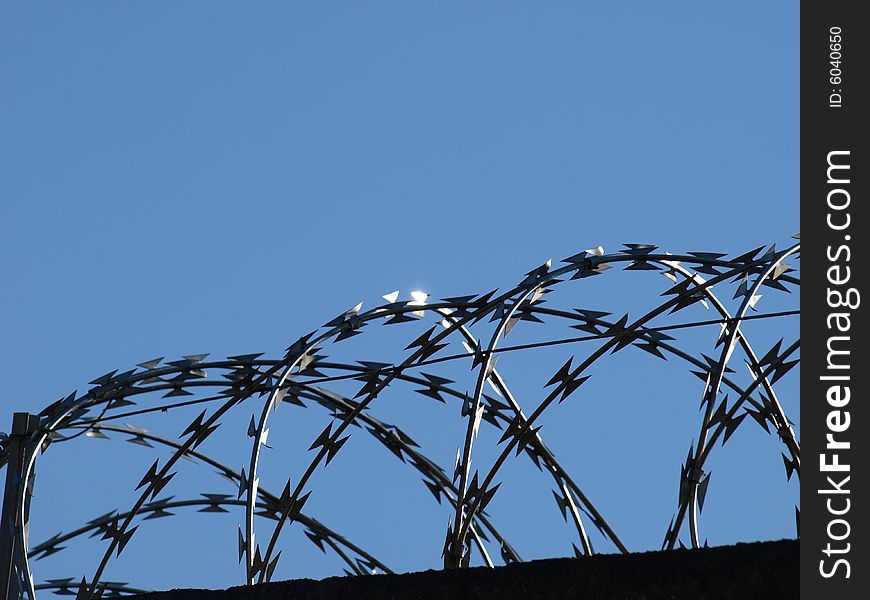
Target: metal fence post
23	424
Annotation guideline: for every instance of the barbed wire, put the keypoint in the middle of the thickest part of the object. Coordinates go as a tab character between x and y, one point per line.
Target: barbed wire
305	374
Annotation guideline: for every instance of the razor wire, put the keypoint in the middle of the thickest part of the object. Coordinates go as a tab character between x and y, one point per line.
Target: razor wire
306	377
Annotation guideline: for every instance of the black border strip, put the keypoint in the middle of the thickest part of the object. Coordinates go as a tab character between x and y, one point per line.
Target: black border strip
834	226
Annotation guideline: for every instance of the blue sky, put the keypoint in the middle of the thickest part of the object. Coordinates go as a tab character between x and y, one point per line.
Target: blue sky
195	177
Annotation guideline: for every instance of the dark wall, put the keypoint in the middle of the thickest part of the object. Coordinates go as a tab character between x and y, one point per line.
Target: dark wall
766	570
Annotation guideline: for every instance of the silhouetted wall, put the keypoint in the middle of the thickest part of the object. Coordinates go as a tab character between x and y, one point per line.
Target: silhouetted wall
766	570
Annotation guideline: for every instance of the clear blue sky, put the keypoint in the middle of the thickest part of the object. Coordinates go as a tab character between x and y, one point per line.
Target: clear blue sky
184	177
